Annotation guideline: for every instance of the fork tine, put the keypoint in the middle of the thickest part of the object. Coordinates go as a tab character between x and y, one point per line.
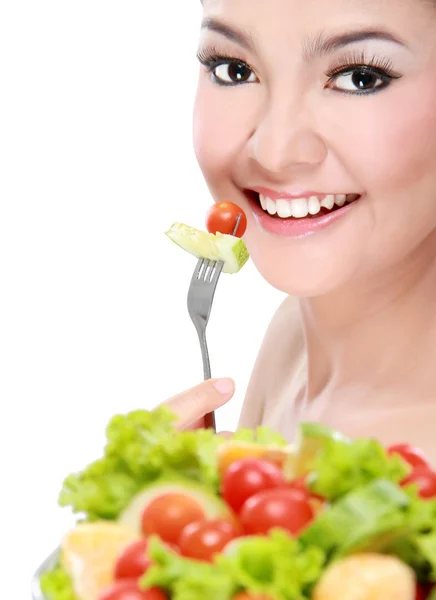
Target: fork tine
197	269
204	269
211	271
217	272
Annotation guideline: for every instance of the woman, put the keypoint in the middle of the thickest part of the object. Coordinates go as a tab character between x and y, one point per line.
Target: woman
318	118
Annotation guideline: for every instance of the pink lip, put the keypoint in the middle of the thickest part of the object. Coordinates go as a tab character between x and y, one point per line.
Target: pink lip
297	227
297	193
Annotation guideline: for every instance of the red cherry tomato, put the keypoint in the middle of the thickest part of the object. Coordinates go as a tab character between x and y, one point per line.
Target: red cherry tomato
133	561
420	593
204	539
285	508
246	477
425	480
126	589
167	516
222	217
414	456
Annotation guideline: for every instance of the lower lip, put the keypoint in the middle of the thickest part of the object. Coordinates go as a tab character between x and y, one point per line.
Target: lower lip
297	227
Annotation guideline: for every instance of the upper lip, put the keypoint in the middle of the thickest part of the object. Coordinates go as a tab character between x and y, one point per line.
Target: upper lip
295	193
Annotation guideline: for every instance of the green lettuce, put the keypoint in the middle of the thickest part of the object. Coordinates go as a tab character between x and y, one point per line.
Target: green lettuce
57	585
379	517
344	466
276	565
417	547
262	435
141	447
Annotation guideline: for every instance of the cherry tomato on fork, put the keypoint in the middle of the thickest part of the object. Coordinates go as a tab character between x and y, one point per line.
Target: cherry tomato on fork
222	217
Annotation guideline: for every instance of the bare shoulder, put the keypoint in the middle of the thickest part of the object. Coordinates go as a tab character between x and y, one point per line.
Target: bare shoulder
282	344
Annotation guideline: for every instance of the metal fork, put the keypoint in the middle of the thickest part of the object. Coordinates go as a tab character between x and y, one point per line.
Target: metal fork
200	298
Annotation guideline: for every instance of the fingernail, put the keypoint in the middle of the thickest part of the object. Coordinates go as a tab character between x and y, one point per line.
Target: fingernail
224	386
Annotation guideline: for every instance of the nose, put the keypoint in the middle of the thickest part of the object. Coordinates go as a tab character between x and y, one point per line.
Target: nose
285	140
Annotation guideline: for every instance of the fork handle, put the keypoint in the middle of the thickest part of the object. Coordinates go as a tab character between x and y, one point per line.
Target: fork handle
209	418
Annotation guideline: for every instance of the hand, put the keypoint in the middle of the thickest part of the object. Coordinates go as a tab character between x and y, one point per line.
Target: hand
191	406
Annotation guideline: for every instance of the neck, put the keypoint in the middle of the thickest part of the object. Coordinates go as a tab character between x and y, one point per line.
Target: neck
379	335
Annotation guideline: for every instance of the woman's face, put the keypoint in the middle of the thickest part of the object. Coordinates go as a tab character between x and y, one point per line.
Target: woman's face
305	100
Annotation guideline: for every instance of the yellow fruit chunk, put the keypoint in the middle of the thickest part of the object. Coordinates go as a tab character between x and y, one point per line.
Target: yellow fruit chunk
367	577
230	451
89	553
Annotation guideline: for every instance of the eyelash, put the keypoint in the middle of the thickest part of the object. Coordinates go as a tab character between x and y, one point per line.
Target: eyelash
378	66
211	59
381	67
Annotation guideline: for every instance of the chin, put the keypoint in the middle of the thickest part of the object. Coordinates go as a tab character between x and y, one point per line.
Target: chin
296	275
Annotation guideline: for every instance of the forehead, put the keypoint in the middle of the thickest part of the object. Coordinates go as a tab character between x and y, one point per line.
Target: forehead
291	15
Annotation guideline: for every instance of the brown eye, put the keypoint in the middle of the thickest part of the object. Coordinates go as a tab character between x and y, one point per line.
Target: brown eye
233	73
363	80
359	80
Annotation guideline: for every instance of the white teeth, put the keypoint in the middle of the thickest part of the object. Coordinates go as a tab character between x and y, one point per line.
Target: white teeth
271	206
314	205
340	199
262	201
284	209
328	202
301	207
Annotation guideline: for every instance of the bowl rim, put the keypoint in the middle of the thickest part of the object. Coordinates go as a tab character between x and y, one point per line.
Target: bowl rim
48	564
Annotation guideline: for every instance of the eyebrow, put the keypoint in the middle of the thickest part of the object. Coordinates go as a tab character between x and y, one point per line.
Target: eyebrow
323	45
244	39
314	47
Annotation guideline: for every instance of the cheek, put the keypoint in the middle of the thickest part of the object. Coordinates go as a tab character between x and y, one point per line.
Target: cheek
212	142
221	129
394	146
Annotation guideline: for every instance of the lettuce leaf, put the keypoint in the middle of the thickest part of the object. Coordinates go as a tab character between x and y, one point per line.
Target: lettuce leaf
57	585
345	466
418	547
275	565
261	435
141	447
369	518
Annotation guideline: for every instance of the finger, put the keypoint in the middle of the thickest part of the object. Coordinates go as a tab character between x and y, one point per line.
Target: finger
192	405
198	424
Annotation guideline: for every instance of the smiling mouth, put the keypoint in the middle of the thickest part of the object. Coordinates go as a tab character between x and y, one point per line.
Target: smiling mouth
304	207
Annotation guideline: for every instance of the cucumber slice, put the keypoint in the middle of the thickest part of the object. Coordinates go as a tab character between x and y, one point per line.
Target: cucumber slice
310	441
229	249
213	506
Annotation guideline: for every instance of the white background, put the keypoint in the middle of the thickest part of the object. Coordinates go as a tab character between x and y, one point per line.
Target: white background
96	163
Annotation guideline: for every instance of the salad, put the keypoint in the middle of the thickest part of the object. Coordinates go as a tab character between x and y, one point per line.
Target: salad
217	243
170	515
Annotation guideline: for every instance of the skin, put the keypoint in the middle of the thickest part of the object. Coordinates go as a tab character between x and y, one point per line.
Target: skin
367	284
